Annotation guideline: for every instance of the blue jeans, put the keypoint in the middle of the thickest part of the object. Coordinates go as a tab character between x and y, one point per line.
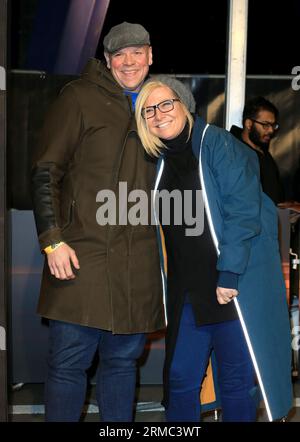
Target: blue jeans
236	376
71	352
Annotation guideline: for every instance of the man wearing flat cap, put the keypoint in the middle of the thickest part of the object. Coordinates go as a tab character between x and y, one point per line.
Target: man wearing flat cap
101	286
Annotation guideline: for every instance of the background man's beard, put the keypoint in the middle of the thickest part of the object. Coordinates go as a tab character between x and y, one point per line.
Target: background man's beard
255	138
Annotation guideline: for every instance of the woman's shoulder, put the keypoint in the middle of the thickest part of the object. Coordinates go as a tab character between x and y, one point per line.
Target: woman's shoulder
224	142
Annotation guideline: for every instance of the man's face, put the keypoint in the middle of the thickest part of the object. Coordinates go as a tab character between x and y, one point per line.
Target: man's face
130	66
259	134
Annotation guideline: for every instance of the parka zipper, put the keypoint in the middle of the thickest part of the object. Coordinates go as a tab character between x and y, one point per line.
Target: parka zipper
109	228
71	215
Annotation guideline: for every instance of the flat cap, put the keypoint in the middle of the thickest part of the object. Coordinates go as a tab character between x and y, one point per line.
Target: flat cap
125	35
181	89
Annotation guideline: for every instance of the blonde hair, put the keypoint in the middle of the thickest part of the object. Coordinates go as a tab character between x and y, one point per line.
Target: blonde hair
152	144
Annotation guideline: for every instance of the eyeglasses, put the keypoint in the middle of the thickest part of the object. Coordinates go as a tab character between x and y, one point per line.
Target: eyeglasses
163	106
266	125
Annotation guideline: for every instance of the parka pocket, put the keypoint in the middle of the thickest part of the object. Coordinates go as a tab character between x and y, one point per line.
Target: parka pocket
70	216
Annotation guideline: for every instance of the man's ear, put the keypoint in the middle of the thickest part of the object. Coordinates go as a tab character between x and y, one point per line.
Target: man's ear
248	124
150	56
106	55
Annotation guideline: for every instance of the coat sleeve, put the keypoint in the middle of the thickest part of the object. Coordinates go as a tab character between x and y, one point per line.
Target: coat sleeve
58	140
236	171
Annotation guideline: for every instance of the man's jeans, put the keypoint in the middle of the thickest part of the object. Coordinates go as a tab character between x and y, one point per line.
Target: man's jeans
71	352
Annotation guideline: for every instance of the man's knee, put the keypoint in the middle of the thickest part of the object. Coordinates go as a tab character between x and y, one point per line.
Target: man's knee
123	349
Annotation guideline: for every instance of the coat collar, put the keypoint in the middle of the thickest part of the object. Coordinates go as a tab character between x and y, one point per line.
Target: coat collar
96	72
198	129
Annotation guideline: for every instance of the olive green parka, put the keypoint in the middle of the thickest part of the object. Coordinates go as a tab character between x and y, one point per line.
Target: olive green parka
89	143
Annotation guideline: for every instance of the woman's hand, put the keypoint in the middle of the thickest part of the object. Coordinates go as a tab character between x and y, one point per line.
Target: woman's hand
225	295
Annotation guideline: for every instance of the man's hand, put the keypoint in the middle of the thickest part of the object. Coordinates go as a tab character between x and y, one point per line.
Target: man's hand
60	260
225	295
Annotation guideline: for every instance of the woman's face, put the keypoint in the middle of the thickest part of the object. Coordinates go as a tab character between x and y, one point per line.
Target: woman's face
165	125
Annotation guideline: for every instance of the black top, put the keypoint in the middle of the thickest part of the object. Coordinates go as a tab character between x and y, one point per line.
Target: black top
269	177
269	173
192	260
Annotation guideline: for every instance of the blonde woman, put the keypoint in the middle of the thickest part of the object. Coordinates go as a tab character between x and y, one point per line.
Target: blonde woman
225	291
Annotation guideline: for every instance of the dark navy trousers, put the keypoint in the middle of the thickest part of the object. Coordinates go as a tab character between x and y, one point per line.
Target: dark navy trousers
236	376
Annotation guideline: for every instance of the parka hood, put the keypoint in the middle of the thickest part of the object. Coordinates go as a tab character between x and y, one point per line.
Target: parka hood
96	72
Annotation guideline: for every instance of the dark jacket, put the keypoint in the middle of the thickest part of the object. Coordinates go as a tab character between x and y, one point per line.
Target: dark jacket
269	173
89	143
243	224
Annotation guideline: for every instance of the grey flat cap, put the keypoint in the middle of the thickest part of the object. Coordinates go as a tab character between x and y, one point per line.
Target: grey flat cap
125	35
183	91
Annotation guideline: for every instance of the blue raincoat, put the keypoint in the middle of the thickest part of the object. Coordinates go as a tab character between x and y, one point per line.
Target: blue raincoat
243	223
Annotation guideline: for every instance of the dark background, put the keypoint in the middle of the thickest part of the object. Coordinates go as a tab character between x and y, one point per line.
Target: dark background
188	36
185	41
